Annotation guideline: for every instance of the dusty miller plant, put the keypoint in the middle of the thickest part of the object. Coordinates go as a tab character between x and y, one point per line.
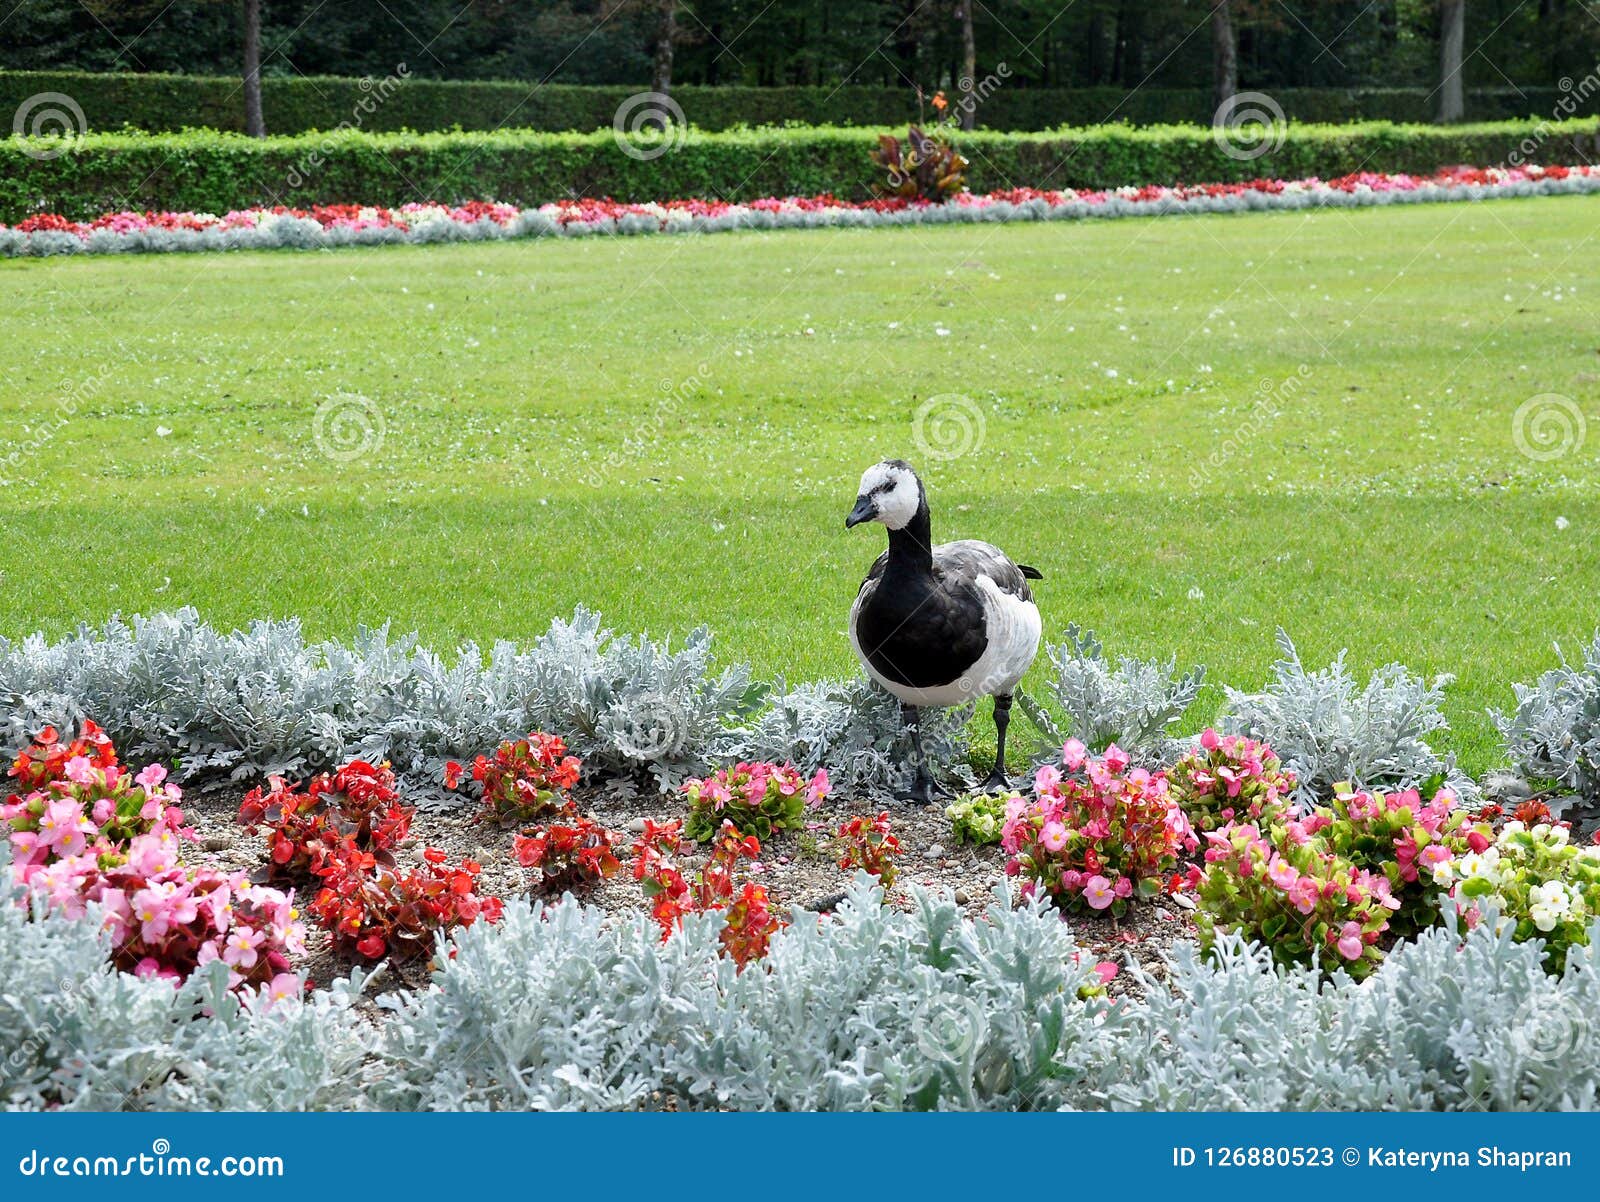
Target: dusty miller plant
854	729
1444	1024
1131	703
262	700
1554	732
1329	729
80	1035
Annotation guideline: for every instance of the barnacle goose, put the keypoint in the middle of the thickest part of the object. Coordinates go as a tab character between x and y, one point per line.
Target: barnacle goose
939	626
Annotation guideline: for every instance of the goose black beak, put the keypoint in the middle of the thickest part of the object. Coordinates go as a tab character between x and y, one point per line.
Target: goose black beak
864	511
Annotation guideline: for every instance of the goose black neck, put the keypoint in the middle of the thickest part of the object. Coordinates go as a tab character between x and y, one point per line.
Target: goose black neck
911	547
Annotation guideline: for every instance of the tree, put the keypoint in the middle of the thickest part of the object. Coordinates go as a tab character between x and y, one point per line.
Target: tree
254	124
1452	34
666	36
969	66
1224	56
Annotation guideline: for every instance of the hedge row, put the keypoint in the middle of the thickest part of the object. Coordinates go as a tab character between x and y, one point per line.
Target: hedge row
212	172
166	103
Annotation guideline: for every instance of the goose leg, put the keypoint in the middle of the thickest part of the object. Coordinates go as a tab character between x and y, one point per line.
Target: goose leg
923	790
997	782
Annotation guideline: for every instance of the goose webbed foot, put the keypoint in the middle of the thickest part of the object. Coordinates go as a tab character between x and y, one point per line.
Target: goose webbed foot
997	782
924	791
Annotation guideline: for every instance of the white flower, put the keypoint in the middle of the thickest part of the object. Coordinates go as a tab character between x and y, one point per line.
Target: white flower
1544	919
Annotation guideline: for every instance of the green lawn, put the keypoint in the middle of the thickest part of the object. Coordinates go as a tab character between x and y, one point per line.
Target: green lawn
671	429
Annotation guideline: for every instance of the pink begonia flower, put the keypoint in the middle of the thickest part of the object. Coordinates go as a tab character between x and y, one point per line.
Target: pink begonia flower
103	811
242	944
1106	971
1350	945
1046	779
79	770
284	986
1282	873
1071	879
1123	887
819	788
1436	854
1097	892
151	776
1053	836
1209	740
1073	754
1116	759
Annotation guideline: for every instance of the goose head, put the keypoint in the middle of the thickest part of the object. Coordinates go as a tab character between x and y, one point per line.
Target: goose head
890	493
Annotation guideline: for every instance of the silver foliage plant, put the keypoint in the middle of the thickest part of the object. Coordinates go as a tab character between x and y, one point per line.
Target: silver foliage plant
1132	703
872	1009
1328	728
1445	1024
853	728
1554	732
79	1035
264	700
923	1011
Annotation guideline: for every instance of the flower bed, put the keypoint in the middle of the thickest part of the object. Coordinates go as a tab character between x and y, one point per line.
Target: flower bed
364	225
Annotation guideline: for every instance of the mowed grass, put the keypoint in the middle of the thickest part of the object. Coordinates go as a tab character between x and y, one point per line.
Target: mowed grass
1200	429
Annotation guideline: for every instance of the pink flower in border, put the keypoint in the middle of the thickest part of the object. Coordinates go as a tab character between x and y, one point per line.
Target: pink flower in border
1097	892
1053	836
1073	753
1350	945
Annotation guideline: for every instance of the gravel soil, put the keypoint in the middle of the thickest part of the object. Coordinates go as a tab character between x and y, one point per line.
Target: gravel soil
797	867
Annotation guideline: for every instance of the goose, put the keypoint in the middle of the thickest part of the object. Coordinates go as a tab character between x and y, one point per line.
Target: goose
939	625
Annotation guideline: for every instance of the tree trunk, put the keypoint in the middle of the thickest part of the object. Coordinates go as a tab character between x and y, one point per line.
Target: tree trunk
666	36
1224	57
968	82
254	124
1452	34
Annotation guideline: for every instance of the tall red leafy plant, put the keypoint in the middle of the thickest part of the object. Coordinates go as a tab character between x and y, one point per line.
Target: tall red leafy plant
749	922
524	780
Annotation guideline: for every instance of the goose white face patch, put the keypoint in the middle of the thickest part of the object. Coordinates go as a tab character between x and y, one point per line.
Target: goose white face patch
893	491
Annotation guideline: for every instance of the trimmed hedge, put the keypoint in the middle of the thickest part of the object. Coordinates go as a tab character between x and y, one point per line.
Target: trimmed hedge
166	103
212	172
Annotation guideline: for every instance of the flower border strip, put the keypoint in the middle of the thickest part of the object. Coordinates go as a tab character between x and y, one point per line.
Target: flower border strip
335	226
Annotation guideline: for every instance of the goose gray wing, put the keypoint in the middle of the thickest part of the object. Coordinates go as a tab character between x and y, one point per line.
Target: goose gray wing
968	559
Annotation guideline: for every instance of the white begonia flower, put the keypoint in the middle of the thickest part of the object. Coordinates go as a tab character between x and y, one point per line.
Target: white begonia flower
1543	918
